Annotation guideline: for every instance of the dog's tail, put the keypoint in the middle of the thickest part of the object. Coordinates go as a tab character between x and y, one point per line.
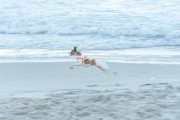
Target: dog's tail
108	56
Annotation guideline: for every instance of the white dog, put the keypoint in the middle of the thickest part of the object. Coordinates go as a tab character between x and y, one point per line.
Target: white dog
84	61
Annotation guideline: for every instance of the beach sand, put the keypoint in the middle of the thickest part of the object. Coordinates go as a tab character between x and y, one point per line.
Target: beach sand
52	91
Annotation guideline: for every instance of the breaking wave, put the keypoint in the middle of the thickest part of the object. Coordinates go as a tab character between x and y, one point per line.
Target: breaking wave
89	25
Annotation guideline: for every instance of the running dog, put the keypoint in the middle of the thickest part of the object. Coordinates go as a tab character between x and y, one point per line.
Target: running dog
84	61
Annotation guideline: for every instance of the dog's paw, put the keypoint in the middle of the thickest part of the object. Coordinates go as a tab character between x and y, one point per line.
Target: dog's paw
115	73
71	67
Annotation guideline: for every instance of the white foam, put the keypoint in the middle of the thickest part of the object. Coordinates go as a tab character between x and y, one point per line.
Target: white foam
168	55
126	24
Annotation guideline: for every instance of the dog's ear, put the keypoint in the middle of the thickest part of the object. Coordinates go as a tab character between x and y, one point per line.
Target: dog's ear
75	48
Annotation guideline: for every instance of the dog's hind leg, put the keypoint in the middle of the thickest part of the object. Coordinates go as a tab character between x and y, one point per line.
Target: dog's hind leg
106	70
102	69
115	73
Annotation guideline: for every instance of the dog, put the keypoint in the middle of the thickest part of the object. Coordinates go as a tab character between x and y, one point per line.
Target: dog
85	61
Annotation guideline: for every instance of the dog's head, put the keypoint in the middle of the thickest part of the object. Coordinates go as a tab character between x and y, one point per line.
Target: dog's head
74	52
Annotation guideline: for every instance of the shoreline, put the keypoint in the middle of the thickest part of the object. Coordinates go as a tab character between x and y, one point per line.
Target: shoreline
152	55
73	61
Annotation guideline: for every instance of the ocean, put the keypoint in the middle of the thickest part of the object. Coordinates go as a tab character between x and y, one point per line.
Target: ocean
132	31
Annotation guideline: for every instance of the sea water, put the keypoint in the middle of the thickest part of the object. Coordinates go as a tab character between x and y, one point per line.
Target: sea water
140	31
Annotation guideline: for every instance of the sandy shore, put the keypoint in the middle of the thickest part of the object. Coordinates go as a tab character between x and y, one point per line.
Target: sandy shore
41	76
50	90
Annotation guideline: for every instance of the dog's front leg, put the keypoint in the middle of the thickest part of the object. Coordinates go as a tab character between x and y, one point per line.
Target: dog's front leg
72	66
